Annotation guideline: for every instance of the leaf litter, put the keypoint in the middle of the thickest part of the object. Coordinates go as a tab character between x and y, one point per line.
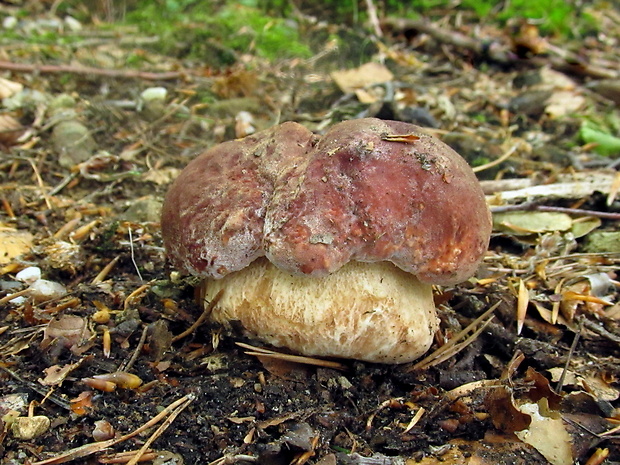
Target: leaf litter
527	351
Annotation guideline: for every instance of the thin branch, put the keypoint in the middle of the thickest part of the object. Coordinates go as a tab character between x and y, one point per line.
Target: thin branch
531	206
92	448
499	52
202	318
89	70
560	385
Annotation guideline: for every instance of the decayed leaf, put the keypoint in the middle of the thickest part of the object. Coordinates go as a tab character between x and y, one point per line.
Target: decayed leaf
161	176
596	386
70	330
504	415
584	226
492	450
602	242
82	404
56	374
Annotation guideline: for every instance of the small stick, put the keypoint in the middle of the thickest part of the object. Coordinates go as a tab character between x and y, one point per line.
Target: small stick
38	389
133	257
40	183
373	18
497	161
105	271
88	70
136	352
159	431
15	295
92	448
260	352
202	318
560	385
529	206
453	346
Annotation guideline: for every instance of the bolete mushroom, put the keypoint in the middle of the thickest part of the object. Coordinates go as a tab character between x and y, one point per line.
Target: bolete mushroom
329	245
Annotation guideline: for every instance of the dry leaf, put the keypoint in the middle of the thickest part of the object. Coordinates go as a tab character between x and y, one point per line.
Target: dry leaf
56	374
368	74
82	404
13	243
547	434
10	130
9	88
531	222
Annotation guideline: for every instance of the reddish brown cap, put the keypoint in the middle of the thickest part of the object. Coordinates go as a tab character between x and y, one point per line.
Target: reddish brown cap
368	190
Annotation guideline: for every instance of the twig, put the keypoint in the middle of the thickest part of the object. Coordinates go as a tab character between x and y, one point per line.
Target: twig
92	448
40	183
134	357
495	52
159	431
531	206
497	161
38	389
227	459
133	257
373	18
202	318
105	270
88	70
601	331
457	343
15	295
560	385
498	52
262	352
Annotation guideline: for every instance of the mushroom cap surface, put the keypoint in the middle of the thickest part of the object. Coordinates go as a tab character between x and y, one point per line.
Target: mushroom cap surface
368	190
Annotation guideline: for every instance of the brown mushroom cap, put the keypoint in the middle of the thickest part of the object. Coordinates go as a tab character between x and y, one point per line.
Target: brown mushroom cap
311	205
327	245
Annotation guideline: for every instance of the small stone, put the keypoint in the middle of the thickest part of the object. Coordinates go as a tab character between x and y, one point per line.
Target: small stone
29	275
27	428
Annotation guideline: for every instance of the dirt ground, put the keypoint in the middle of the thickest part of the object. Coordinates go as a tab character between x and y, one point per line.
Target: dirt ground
103	357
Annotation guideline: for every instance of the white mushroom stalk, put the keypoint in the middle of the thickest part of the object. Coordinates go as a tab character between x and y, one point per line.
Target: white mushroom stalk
366	311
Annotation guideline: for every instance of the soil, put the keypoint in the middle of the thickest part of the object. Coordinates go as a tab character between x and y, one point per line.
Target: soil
91	225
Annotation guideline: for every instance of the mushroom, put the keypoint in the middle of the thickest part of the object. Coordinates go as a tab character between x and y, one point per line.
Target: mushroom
329	246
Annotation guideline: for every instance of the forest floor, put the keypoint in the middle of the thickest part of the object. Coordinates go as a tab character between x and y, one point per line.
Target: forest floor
96	361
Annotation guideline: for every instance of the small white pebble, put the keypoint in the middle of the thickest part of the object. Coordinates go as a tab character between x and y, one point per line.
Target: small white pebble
43	289
154	93
73	24
10	22
29	275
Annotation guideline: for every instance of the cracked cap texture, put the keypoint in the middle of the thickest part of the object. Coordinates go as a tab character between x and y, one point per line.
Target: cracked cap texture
368	190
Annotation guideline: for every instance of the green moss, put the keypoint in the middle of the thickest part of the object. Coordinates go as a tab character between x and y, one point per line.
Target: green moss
202	31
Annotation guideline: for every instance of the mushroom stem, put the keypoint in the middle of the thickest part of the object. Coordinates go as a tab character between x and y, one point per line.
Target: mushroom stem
366	311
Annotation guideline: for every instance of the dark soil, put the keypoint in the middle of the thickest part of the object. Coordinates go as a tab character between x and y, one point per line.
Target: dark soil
248	409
